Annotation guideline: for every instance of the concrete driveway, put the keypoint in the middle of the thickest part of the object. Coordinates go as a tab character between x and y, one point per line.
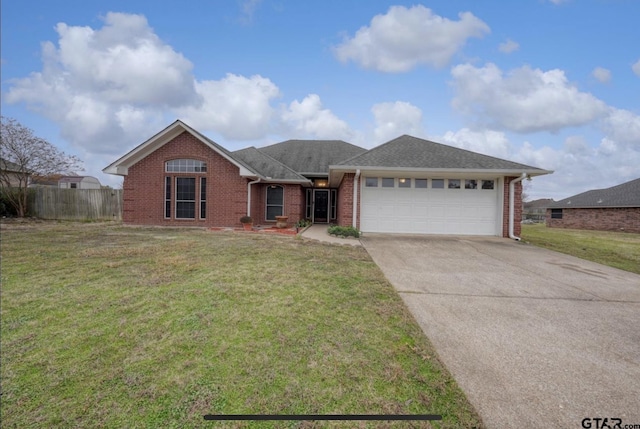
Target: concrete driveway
535	338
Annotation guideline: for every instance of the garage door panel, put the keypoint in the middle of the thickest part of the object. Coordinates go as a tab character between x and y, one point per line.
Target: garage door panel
429	211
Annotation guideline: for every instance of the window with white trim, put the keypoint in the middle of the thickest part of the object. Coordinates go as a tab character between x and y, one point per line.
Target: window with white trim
274	201
388	182
454	183
185	197
167	197
203	198
185	166
404	183
437	183
487	184
371	182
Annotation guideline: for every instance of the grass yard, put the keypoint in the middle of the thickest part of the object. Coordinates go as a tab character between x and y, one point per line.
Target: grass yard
616	249
109	326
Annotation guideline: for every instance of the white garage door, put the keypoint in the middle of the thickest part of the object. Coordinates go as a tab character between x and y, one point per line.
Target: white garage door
429	206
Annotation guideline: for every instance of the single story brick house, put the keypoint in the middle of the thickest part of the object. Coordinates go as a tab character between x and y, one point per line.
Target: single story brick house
612	209
407	185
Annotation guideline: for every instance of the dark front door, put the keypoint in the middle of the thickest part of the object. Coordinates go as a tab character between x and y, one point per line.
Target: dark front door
321	205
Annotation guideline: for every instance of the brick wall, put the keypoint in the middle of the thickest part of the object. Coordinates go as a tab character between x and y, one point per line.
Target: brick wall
602	219
345	201
517	212
294	201
144	186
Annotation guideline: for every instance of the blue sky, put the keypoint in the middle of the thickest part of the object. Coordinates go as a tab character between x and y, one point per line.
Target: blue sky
549	83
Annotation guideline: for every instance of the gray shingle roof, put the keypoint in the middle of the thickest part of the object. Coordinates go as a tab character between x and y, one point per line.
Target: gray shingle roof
624	195
311	156
266	166
412	152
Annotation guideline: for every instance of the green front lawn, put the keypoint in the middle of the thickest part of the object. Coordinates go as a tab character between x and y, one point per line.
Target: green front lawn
616	249
108	326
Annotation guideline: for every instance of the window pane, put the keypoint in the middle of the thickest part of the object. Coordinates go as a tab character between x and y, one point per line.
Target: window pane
437	183
404	183
334	195
556	213
273	211
308	210
203	198
275	195
167	197
487	184
185	210
470	184
421	183
186	166
388	182
186	188
454	183
371	182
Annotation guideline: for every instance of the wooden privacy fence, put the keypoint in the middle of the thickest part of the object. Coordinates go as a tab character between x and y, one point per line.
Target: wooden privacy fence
76	204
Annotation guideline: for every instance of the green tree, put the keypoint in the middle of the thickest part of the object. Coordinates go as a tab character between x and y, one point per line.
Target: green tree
22	154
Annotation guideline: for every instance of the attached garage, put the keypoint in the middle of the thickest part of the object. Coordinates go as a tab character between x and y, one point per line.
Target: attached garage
415	186
464	206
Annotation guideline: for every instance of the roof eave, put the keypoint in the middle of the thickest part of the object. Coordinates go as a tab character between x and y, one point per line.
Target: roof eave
530	171
121	166
581	206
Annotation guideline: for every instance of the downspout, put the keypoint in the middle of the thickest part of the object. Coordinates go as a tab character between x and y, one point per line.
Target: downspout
354	220
249	195
512	190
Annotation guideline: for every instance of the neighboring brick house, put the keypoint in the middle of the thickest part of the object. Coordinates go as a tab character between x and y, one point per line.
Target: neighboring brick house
536	210
612	209
407	185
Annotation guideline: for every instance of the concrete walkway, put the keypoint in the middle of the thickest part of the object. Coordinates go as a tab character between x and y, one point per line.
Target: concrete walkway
318	232
535	338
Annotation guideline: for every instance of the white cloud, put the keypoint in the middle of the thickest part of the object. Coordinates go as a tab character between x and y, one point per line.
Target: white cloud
236	107
636	68
509	46
623	126
248	9
94	79
308	119
601	74
395	119
487	142
524	100
404	37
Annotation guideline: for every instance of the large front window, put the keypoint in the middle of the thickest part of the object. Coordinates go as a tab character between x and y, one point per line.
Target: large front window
185	198
275	201
185	195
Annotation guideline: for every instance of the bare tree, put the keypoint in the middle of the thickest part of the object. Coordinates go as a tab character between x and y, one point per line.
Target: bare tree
22	154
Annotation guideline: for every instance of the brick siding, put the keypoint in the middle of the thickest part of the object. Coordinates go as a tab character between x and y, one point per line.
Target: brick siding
517	212
294	203
144	186
601	219
144	193
345	201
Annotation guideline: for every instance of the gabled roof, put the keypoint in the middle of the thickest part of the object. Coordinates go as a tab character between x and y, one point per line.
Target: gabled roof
311	157
624	195
267	167
407	152
121	166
